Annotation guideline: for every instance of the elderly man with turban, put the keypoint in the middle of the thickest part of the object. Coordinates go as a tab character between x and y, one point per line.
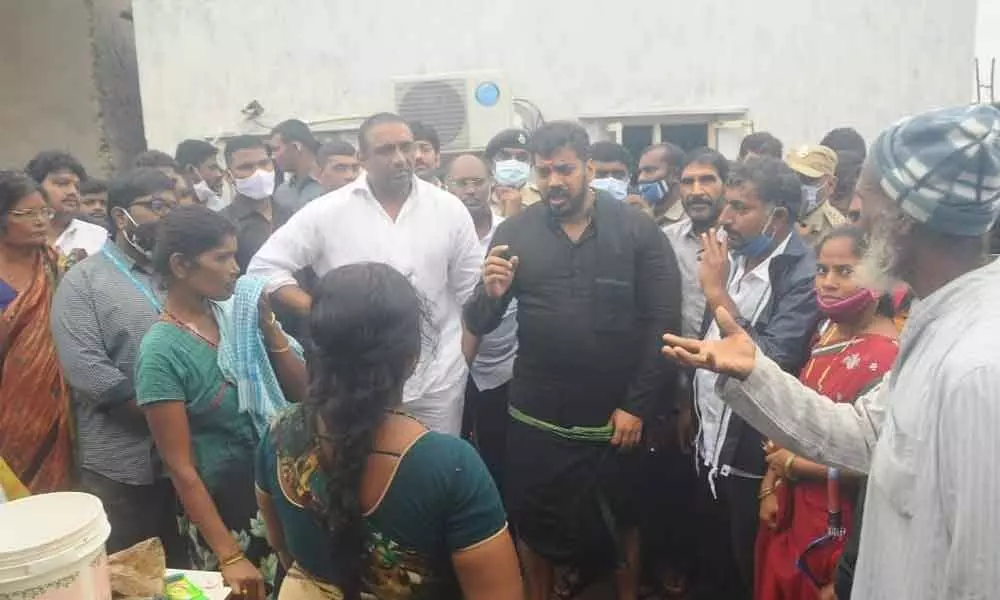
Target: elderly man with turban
929	436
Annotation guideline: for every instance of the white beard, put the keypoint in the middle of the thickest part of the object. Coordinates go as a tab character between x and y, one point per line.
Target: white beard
875	270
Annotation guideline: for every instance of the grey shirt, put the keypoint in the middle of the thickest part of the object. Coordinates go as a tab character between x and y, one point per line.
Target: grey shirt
687	249
494	362
99	316
927	437
296	193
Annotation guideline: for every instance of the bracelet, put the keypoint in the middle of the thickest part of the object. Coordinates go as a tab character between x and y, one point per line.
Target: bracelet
788	467
286	347
764	493
232	560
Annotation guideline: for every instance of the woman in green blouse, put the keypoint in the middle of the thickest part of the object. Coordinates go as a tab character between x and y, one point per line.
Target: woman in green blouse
359	498
205	439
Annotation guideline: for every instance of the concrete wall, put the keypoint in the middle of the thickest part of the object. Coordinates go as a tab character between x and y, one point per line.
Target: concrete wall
800	66
69	82
116	76
47	99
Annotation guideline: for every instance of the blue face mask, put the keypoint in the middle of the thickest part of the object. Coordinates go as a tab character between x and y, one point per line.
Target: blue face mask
758	246
654	191
616	187
810	199
511	173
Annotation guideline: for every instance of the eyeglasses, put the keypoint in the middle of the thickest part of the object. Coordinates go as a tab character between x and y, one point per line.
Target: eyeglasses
158	205
459	184
45	214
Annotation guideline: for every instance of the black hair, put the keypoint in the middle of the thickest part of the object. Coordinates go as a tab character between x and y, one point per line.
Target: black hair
14	186
335	148
189	231
673	155
374	121
774	182
241	142
156	159
845	139
710	157
294	130
555	135
93	186
191	153
761	143
366	336
859	245
423	132
847	173
859	241
50	161
136	183
610	152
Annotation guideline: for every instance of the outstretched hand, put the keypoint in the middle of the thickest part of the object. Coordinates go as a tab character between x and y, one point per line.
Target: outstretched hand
732	355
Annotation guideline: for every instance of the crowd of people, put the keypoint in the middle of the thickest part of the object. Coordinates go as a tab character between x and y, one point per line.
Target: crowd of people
331	372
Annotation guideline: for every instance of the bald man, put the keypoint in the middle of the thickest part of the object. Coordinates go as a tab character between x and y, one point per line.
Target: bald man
491	359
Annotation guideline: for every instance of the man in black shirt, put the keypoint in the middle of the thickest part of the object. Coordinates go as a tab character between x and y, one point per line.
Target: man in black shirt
595	282
256	215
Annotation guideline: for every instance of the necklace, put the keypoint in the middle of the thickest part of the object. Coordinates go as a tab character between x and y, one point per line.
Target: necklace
169	316
830	334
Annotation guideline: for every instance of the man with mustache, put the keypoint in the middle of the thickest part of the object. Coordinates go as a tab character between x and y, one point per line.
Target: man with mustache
702	187
926	437
390	216
592	277
491	357
100	313
769	282
427	158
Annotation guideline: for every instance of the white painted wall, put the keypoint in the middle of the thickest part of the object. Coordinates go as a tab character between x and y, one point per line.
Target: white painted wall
800	66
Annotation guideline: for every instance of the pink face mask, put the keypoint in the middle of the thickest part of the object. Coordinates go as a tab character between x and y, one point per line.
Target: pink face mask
848	308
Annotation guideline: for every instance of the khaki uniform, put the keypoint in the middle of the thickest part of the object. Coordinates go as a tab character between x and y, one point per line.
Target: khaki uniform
817	224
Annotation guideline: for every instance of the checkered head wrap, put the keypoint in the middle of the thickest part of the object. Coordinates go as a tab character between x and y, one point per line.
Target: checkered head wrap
943	168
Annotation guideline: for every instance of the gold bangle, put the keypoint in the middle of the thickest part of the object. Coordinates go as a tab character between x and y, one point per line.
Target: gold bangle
279	350
764	493
788	467
232	560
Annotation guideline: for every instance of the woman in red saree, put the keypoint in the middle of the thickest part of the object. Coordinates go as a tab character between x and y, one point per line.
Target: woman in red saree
35	435
855	346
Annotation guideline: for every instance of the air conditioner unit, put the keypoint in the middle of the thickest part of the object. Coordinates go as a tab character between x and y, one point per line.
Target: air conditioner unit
466	109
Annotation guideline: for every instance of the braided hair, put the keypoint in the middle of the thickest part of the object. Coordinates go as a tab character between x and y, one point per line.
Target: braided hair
366	338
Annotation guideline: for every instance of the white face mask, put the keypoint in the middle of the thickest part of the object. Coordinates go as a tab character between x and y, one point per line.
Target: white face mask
616	187
258	186
205	194
511	173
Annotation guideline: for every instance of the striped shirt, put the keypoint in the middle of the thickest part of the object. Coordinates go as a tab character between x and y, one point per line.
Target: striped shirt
928	437
99	316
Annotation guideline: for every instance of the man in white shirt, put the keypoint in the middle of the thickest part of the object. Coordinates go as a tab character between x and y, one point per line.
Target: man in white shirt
390	216
59	175
927	437
491	357
770	284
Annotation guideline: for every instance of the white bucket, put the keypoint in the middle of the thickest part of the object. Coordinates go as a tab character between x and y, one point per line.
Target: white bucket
52	548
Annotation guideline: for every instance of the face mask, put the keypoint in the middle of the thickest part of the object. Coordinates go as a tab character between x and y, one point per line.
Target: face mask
810	199
759	245
205	194
142	237
511	173
258	186
616	187
848	308
654	191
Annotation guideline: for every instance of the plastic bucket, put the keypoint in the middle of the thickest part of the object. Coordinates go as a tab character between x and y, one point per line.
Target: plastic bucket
52	548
